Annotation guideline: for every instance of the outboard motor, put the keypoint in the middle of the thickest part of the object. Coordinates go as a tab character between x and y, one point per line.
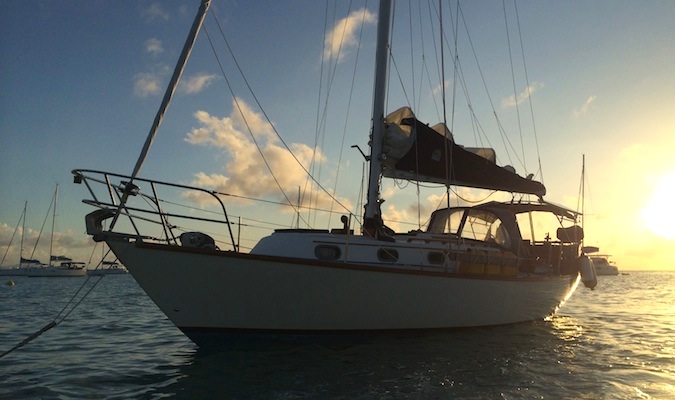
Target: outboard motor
198	240
587	270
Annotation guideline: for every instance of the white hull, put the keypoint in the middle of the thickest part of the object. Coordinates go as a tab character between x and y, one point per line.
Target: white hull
606	270
55	272
13	272
219	291
107	271
603	267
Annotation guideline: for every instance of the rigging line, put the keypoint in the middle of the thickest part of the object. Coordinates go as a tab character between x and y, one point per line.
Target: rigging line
400	80
435	47
480	70
529	91
349	105
448	154
424	67
13	234
320	116
474	201
513	81
321	132
236	101
274	129
44	222
506	140
417	97
412	58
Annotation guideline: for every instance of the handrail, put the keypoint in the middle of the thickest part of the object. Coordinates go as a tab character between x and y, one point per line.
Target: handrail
88	177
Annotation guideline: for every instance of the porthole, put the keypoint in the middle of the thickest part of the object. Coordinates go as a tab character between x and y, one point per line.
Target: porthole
325	252
435	257
387	255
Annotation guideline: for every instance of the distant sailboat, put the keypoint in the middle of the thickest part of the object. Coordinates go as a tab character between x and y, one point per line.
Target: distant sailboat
66	267
472	266
16	270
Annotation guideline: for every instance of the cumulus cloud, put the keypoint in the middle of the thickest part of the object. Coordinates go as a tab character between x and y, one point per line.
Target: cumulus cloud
66	243
512	100
246	173
147	84
154	47
155	12
150	83
197	83
343	36
583	110
411	216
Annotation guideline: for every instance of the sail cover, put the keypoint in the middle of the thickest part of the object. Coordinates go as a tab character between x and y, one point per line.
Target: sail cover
416	151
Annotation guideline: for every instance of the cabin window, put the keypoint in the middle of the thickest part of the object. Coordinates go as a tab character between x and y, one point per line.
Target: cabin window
445	221
499	235
477	225
325	252
435	257
387	255
487	227
545	225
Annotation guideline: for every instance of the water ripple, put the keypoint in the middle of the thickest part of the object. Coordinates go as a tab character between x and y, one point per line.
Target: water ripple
614	343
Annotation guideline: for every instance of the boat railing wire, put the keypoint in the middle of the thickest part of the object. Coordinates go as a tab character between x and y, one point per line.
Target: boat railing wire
146	215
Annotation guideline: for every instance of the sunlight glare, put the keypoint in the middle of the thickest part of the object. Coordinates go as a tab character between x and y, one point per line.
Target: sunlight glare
658	215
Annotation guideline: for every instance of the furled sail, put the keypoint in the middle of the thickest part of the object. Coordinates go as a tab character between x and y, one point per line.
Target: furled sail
416	151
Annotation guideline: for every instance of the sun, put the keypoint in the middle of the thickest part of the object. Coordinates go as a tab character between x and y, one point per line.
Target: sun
658	214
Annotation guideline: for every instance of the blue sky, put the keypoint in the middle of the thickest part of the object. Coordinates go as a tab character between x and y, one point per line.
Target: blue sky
80	82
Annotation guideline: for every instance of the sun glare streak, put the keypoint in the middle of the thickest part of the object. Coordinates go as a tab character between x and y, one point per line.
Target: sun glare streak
657	214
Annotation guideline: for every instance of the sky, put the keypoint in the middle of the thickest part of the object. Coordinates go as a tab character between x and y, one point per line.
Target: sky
81	81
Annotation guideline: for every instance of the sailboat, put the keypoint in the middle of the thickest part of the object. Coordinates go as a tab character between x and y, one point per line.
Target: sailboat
472	266
16	270
59	266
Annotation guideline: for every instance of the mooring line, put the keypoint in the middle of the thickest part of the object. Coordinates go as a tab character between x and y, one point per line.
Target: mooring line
55	322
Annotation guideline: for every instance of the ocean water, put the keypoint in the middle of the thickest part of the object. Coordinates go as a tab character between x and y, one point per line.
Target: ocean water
617	342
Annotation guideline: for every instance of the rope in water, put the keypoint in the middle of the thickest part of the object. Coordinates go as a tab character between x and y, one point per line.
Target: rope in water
56	321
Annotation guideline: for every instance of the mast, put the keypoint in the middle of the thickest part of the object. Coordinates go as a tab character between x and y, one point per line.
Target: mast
168	95
51	240
372	208
583	190
23	231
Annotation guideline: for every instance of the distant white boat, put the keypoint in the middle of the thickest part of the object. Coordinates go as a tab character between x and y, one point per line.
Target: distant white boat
601	262
603	266
108	268
12	271
65	269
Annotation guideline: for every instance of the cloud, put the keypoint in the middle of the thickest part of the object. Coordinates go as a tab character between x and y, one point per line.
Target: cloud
154	47
583	110
246	173
155	12
439	88
150	83
65	243
343	36
512	100
197	83
147	84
